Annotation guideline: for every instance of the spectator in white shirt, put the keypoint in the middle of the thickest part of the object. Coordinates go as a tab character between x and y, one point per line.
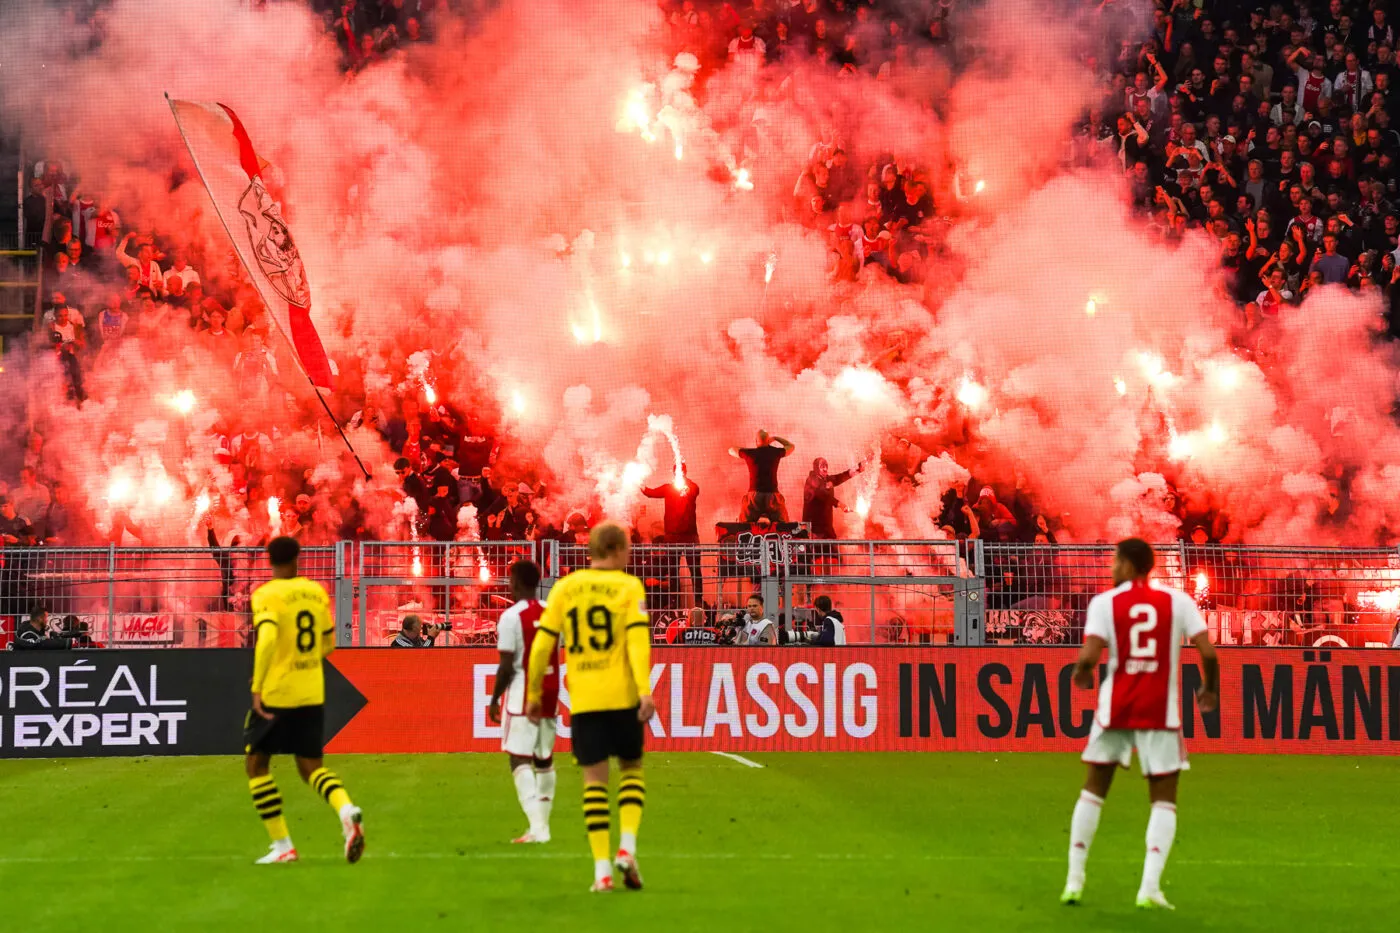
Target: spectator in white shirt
747	49
1287	109
1354	84
180	269
145	263
62	320
31	498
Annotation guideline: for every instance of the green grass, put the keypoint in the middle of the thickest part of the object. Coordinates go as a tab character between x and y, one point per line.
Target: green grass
849	842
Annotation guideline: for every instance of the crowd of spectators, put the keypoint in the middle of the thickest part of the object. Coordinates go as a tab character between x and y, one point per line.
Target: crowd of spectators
370	30
1271	127
1268	128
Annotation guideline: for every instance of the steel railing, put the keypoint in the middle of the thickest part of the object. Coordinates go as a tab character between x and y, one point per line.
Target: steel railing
892	592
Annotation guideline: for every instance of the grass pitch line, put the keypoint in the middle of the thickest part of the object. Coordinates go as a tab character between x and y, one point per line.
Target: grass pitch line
537	855
739	758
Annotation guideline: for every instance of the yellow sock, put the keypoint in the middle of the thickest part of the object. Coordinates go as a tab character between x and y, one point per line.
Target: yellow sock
631	798
267	799
597	819
325	783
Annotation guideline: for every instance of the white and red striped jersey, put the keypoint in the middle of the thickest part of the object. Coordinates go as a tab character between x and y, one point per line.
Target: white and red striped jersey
515	634
1143	624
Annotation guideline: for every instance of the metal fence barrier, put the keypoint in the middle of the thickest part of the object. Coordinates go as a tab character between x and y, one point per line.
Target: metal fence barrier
126	597
463	585
1289	596
890	592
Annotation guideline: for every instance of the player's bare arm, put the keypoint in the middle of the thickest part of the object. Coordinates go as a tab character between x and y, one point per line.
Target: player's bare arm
1208	697
1088	659
505	673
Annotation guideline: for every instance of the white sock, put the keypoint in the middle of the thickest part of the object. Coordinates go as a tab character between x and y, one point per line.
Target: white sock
544	783
346	812
283	845
602	869
526	791
1161	831
1082	827
627	842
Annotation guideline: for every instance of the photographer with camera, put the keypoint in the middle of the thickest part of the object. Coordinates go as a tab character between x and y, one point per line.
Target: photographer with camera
824	628
754	628
833	627
77	632
34	635
414	634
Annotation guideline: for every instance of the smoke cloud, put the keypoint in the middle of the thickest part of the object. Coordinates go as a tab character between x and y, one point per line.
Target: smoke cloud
565	230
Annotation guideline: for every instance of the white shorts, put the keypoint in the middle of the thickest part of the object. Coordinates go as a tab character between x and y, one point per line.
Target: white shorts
1160	751
525	739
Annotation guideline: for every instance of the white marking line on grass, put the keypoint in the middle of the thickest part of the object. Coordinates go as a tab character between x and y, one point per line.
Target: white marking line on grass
739	758
534	854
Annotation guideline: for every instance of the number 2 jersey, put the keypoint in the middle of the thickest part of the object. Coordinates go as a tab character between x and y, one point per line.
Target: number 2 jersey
292	622
1143	625
600	618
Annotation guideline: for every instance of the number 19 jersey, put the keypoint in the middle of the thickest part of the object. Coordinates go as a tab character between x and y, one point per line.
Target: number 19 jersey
590	611
300	611
1143	624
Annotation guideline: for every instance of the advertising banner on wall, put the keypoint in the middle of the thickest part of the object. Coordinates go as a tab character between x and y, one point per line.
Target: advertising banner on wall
77	704
145	702
894	699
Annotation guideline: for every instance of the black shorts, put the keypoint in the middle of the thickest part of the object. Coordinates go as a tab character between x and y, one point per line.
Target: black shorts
612	733
296	731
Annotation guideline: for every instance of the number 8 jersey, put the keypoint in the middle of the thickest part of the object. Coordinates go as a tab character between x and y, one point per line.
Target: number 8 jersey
1143	625
592	613
299	610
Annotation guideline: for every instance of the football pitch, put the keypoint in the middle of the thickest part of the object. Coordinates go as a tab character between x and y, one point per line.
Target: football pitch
852	842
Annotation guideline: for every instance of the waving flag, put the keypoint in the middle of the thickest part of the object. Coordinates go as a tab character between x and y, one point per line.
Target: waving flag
232	174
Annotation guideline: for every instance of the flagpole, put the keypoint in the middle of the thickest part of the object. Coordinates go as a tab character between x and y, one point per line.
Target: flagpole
229	233
335	421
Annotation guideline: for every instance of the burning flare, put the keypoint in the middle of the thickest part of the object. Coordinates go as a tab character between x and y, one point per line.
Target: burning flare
972	393
118	490
1384	600
183	401
663	425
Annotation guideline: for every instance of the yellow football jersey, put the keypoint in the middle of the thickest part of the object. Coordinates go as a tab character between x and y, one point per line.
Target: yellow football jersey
300	611
591	612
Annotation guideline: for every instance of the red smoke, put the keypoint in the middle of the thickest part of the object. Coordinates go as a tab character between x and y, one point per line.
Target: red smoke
509	200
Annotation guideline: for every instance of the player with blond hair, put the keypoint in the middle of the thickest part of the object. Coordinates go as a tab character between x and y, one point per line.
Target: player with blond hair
599	615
